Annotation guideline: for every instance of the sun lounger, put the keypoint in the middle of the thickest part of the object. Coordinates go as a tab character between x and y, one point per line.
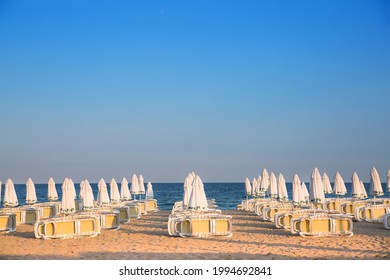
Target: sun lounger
7	222
348	207
151	205
124	213
109	219
206	226
372	213
269	212
46	210
174	224
322	225
134	209
386	221
23	214
68	227
283	219
260	205
335	204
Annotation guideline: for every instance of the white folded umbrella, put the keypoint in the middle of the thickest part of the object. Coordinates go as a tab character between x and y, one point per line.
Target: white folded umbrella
114	191
103	198
248	187
273	186
357	191
326	183
51	190
388	180
10	198
282	189
88	196
125	192
364	192
375	183
141	184
339	185
305	193
254	187
187	189
67	201
316	187
134	185
297	191
264	184
31	196
149	191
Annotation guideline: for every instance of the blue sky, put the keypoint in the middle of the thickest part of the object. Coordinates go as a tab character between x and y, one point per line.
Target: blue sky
93	89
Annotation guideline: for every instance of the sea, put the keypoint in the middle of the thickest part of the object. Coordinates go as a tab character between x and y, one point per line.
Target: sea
226	195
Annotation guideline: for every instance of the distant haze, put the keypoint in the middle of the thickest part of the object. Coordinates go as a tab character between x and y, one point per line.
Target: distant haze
222	88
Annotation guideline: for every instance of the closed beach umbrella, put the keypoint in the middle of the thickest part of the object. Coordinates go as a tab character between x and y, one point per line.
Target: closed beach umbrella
273	186
264	184
31	196
82	189
149	191
254	187
297	191
141	184
187	189
67	201
51	190
10	198
316	187
339	185
202	196
125	192
375	183
364	192
72	188
88	196
102	198
248	187
357	191
306	195
258	192
282	189
326	183
134	185
388	180
114	191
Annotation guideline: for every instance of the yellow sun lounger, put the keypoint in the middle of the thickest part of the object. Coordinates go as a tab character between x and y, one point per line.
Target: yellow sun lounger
335	204
283	219
109	219
322	225
206	226
134	209
260	205
68	227
7	222
386	221
372	213
24	214
174	224
269	212
348	207
151	205
124	213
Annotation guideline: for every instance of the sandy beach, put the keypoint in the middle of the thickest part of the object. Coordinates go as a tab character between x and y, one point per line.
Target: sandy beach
147	238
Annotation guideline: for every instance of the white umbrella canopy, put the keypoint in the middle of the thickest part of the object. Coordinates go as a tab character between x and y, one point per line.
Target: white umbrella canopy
364	193
388	180
273	186
254	187
282	189
134	185
248	187
375	183
339	185
72	188
82	189
264	184
187	189
141	184
10	198
297	190
326	183
51	190
258	192
67	201
88	196
203	198
125	192
114	191
149	191
31	196
357	191
102	197
305	193
316	187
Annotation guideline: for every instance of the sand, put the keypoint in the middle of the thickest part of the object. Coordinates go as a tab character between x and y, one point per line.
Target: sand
147	238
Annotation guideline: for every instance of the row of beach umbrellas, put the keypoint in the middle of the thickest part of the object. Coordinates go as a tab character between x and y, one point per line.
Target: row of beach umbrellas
137	188
319	186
